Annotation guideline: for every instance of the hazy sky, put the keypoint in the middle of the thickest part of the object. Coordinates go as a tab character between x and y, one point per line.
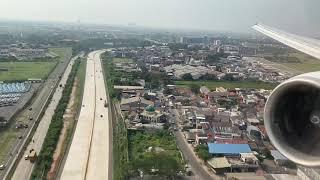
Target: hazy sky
231	15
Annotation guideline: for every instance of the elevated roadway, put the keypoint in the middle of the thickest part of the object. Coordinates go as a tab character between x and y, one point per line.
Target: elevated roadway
88	157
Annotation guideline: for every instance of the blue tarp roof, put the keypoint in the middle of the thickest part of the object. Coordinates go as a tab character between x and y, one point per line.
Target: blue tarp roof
228	148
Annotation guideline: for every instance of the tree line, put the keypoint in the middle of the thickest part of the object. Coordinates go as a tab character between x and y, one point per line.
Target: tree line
45	158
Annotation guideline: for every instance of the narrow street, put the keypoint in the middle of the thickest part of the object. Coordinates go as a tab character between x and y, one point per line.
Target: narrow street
190	157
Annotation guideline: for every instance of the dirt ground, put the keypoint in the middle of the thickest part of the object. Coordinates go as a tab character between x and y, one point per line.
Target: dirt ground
68	120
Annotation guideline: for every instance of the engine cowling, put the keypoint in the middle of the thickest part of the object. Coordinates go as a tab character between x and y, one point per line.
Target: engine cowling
292	119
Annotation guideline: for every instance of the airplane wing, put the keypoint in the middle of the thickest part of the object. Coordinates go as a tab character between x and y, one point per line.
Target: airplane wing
304	44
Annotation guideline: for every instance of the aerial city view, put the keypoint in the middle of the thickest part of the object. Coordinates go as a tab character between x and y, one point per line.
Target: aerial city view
159	90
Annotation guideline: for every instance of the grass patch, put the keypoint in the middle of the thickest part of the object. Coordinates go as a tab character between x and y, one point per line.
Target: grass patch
63	52
33	68
167	159
80	86
305	62
119	131
8	137
120	149
228	84
25	70
44	161
122	60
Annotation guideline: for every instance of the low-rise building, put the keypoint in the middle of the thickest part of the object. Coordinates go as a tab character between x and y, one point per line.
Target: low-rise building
228	149
150	115
219	165
279	158
134	104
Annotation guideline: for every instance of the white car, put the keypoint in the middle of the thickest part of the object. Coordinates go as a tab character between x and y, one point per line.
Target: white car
2	167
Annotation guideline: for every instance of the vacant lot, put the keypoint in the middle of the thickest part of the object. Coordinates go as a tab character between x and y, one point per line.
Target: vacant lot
156	150
305	62
122	60
25	70
228	84
8	137
38	68
63	53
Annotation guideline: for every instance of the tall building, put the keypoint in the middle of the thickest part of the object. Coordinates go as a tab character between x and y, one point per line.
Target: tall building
205	40
217	42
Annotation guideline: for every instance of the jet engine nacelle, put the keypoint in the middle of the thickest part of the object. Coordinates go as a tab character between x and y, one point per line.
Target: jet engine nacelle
292	119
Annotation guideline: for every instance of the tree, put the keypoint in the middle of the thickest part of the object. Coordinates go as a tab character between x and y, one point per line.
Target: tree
167	91
187	77
208	77
164	163
229	77
203	152
195	88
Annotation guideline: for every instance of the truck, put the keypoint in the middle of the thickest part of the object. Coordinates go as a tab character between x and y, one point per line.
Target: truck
32	156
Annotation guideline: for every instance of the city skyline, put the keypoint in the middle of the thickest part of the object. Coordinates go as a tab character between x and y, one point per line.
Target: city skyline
234	16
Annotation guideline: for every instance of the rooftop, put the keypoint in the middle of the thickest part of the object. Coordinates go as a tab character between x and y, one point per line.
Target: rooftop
219	162
228	148
136	99
277	155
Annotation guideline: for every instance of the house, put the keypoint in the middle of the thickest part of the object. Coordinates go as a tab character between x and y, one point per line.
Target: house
150	115
231	141
219	165
249	158
201	138
254	133
228	149
204	90
221	89
244	176
278	158
214	96
135	103
199	118
253	121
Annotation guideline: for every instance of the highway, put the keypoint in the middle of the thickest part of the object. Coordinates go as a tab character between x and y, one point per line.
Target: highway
24	168
88	156
37	104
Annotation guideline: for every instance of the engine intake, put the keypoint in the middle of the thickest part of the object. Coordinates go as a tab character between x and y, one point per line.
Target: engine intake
292	119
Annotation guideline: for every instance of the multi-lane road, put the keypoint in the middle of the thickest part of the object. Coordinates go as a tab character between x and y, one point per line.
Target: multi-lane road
88	156
24	167
37	106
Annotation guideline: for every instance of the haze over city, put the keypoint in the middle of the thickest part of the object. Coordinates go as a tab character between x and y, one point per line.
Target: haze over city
226	15
159	89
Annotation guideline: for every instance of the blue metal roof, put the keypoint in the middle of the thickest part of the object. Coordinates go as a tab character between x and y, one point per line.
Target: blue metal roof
228	148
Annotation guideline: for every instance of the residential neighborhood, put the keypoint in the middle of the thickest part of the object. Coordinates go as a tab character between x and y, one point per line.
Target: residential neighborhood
221	125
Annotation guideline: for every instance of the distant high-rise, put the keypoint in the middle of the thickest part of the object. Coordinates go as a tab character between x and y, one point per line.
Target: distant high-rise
217	42
182	40
205	40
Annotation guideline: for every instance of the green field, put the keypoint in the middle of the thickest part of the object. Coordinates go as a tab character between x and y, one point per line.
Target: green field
25	70
122	60
22	70
227	84
63	53
167	160
8	137
307	63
